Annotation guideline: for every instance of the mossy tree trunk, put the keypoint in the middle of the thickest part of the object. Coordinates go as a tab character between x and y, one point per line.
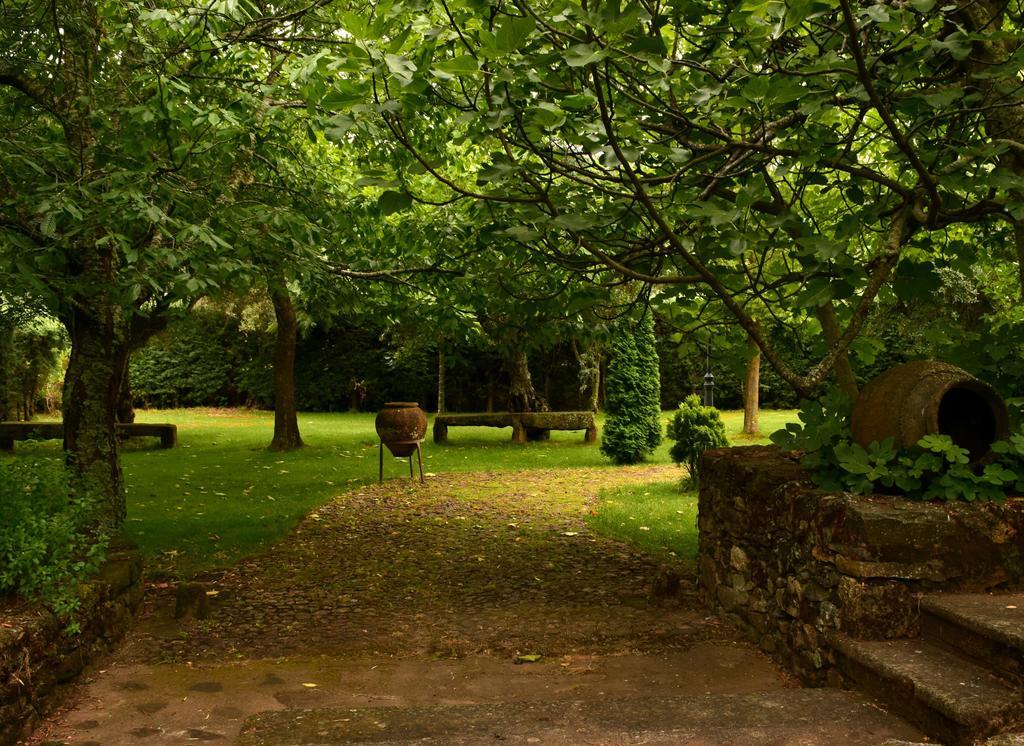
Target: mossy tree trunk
441	383
6	364
522	396
92	386
843	371
95	321
752	392
286	420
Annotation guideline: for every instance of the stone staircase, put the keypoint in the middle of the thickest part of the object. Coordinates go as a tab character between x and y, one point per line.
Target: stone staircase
787	716
961	680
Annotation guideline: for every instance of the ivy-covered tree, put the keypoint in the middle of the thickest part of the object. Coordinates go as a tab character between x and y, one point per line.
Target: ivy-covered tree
633	406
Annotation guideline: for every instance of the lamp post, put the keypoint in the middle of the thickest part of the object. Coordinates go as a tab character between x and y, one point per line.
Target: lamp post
709	381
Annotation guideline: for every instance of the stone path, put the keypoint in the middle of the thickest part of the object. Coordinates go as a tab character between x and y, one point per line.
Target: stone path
472	591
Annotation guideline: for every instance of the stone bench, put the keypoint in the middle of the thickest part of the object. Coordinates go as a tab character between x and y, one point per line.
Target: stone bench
12	431
535	424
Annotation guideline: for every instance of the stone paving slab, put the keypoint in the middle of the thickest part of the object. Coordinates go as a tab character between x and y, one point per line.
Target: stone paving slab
166	702
819	716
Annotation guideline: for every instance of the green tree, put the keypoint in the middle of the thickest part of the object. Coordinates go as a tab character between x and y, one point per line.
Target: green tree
791	153
633	406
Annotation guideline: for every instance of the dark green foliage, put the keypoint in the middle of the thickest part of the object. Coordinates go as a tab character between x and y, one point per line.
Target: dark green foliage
934	469
30	351
212	358
49	540
683	363
695	429
195	365
633	406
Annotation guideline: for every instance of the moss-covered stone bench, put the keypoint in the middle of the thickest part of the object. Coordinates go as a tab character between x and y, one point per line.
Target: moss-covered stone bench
12	431
525	425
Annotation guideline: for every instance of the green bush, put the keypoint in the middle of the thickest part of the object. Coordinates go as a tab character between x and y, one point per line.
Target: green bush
633	405
49	542
30	354
695	429
933	469
191	364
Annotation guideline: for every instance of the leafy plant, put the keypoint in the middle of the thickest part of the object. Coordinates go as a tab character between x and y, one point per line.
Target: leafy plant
933	469
633	405
695	429
49	538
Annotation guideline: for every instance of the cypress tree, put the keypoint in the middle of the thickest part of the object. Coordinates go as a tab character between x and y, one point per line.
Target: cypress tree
633	426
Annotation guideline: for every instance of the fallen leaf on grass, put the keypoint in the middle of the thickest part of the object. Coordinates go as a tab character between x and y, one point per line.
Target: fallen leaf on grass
308	685
528	658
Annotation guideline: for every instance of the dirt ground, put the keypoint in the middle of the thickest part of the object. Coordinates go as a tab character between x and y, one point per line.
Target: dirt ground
472	588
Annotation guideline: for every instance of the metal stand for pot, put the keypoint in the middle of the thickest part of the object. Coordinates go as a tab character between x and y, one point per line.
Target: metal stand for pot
419	458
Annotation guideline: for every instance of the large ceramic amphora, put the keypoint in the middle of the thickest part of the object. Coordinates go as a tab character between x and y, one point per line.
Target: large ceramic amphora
401	425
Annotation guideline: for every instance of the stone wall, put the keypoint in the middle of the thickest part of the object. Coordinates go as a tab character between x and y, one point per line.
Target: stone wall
38	660
791	564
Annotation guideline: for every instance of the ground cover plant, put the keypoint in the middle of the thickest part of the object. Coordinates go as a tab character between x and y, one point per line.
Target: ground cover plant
221	495
48	541
935	468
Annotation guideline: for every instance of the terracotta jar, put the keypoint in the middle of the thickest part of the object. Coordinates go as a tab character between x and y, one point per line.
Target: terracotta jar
401	425
928	397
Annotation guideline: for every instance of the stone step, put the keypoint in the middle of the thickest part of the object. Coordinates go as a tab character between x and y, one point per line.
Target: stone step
988	628
948	696
788	716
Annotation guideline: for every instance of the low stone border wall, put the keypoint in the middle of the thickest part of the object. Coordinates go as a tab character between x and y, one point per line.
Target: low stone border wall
38	660
791	564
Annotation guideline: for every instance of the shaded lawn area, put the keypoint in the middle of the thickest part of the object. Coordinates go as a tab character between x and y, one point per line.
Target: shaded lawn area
221	495
660	517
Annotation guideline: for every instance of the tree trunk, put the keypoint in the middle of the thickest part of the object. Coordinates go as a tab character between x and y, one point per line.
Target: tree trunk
125	410
441	409
286	420
522	396
752	392
843	370
91	387
6	337
142	328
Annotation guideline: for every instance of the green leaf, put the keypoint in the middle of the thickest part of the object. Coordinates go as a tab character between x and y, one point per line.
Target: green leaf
392	202
578	102
548	115
456	66
580	55
957	44
513	33
574	222
943	99
915	281
338	127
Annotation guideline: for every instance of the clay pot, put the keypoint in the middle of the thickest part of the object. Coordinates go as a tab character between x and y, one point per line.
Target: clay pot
928	397
401	425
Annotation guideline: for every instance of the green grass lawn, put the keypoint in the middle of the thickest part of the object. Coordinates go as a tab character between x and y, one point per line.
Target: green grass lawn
221	495
661	517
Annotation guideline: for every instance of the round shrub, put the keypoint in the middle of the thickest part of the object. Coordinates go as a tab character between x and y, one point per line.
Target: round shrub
633	405
695	429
